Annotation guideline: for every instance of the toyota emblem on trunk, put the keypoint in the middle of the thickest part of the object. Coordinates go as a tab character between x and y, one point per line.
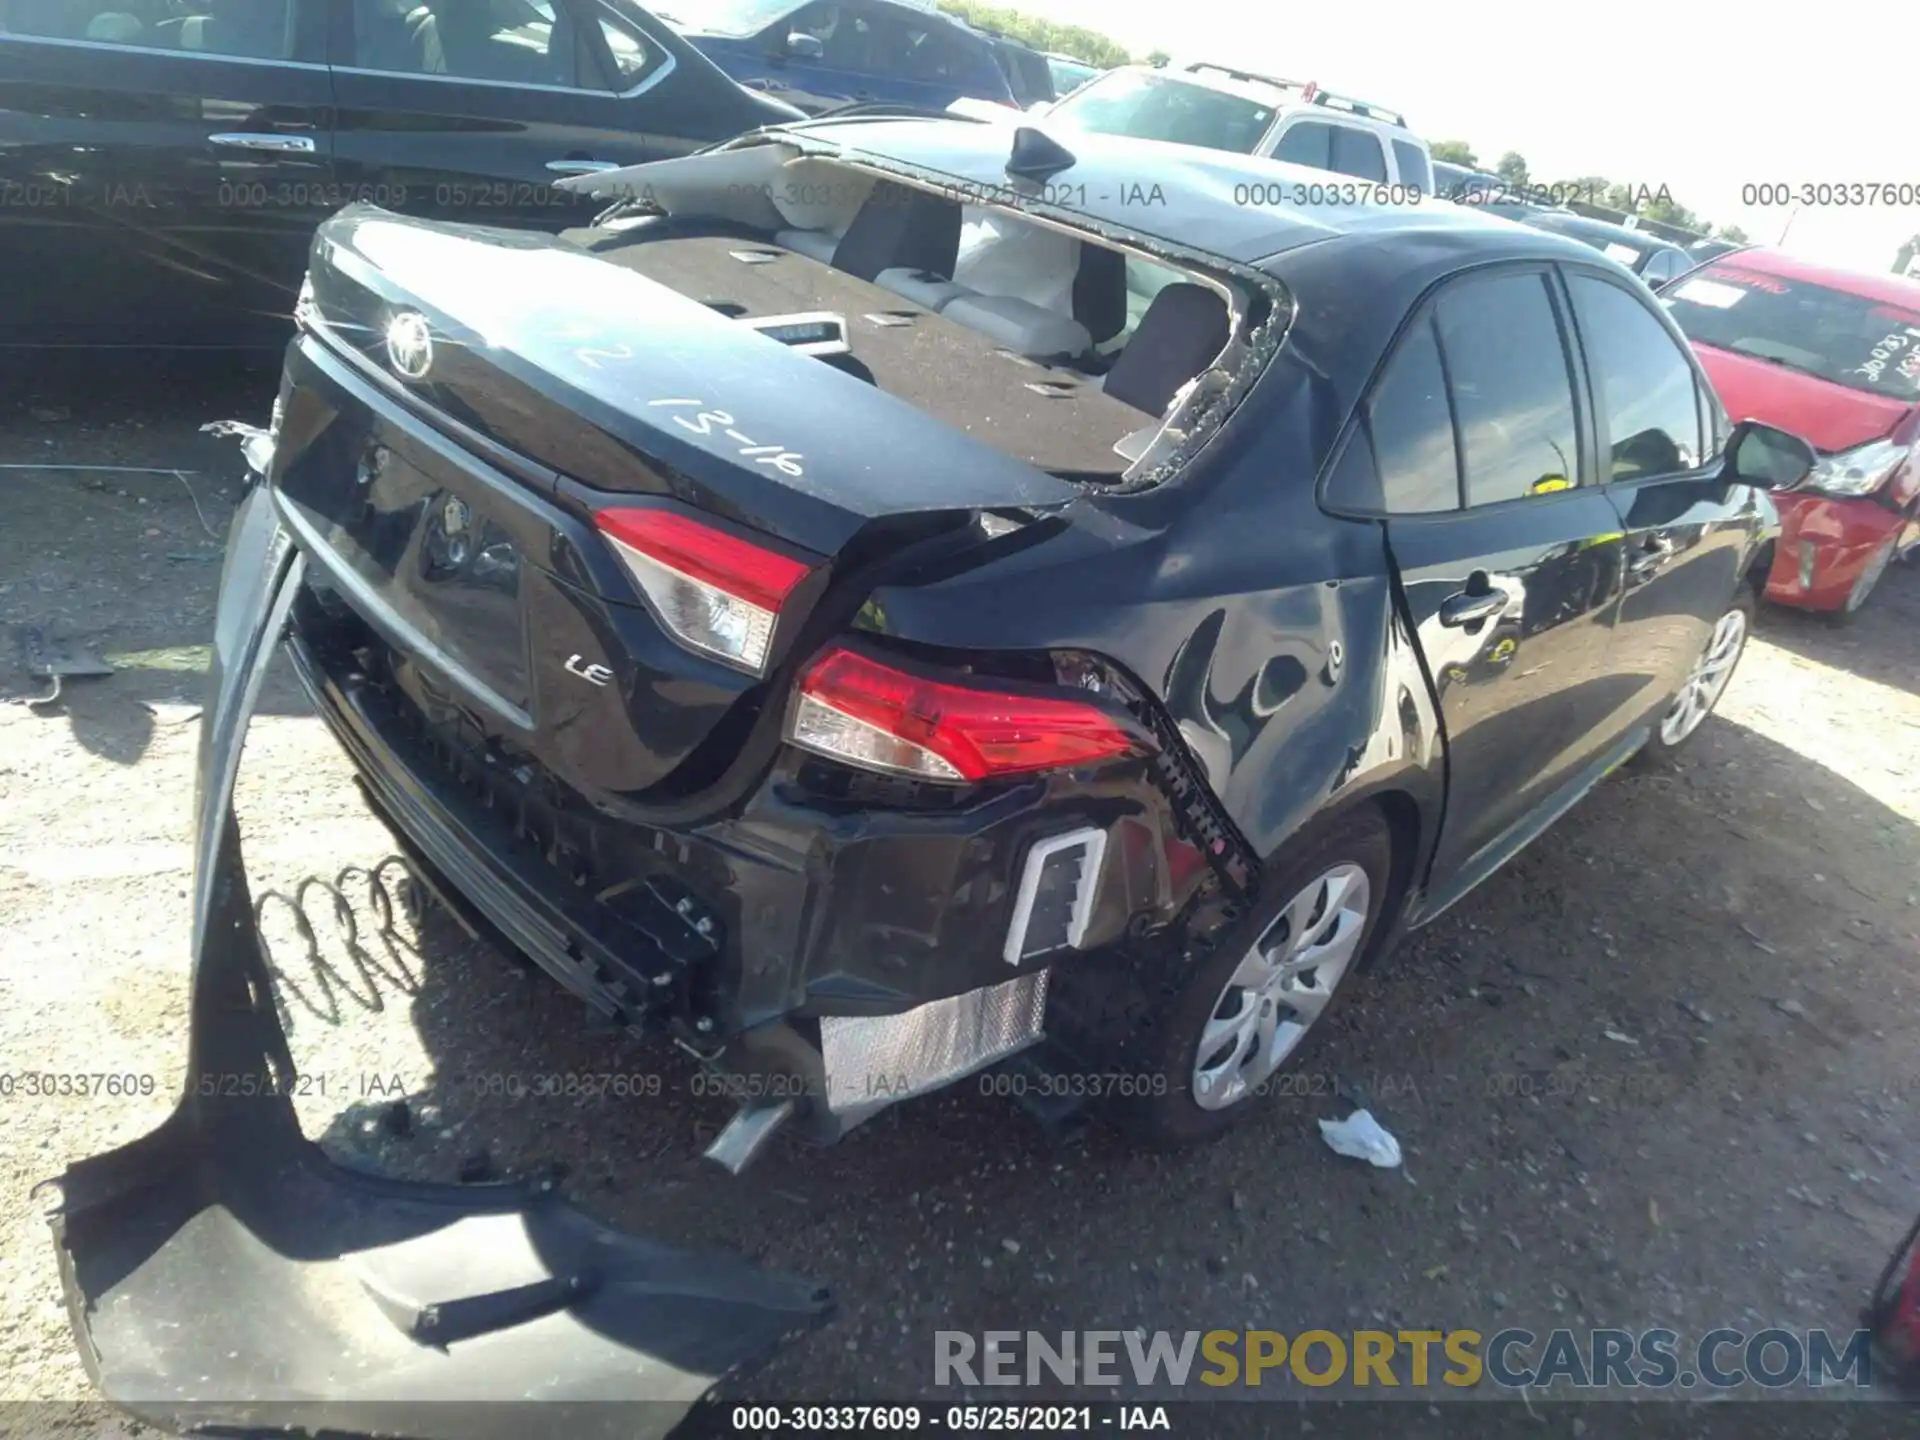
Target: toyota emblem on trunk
410	345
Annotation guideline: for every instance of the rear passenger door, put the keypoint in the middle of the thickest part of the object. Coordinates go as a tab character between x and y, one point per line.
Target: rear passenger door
470	109
1659	434
1473	448
162	166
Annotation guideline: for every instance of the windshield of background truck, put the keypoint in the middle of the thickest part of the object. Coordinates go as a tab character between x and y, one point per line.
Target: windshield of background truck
1153	107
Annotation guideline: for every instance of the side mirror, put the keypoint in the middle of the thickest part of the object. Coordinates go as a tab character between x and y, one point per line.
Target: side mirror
1765	455
802	46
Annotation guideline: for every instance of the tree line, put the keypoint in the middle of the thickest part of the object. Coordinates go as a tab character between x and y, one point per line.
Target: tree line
1652	203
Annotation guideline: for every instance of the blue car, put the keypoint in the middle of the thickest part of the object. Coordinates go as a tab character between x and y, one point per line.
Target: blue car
829	53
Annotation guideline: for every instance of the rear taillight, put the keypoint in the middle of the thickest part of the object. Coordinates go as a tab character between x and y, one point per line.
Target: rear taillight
859	710
714	591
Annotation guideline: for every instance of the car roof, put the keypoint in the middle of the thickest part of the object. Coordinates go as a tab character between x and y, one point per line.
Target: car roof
1207	199
1469	171
1889	289
1601	231
1281	99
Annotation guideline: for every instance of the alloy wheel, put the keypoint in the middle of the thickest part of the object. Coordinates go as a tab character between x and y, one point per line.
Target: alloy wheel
1281	987
1709	678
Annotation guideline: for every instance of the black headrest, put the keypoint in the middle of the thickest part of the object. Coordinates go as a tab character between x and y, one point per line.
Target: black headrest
1100	291
1178	337
900	227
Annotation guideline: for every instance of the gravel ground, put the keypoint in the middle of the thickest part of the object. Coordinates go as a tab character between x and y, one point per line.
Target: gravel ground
1660	1070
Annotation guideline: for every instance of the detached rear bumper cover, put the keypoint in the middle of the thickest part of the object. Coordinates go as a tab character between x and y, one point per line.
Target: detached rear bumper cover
221	1272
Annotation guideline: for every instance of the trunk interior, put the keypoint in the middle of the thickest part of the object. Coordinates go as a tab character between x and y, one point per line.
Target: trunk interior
1052	416
1058	346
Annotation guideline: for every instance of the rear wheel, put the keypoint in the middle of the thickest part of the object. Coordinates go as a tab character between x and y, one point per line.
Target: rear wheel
1706	682
1234	1021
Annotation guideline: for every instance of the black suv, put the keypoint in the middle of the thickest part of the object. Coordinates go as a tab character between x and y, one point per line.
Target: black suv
163	163
858	644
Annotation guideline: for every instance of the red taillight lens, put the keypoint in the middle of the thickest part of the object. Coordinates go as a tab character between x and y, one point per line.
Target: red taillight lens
856	709
714	591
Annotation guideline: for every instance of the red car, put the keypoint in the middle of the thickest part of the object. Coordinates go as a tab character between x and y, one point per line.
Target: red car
1834	356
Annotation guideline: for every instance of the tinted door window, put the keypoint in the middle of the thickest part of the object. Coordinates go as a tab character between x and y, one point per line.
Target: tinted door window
849	39
1414	169
1412	430
1642	383
1358	153
929	53
1307	142
1512	387
504	41
634	55
260	29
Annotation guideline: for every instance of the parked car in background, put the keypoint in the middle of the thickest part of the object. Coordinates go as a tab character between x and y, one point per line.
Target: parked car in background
1069	74
1217	107
1654	260
1701	251
1138	710
1463	185
163	163
1027	71
1835	356
822	54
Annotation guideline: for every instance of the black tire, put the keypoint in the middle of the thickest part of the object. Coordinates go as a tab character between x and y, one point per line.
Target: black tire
1658	751
1162	1050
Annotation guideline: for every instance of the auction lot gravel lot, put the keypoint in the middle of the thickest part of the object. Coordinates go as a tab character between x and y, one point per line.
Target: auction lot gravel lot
1659	1071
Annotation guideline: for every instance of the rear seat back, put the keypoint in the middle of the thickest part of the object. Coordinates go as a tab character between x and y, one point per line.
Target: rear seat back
1100	292
1182	331
900	228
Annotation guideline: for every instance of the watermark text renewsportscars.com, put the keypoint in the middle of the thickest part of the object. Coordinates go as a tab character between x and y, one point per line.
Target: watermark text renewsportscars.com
1381	1361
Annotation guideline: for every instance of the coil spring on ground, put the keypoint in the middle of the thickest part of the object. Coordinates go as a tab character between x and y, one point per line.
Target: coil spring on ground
392	890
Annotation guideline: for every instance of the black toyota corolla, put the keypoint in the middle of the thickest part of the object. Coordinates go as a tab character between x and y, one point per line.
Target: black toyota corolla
898	593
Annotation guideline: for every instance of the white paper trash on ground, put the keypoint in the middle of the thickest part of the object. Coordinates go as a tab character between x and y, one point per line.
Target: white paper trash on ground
1360	1137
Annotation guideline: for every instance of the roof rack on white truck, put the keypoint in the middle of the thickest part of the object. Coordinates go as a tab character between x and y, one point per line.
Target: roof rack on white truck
1310	91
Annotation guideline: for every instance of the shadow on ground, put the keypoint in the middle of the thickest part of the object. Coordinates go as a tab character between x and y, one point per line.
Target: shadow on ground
133	488
1881	643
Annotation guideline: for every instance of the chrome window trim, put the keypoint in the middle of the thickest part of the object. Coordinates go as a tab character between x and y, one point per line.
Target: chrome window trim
654	77
8	36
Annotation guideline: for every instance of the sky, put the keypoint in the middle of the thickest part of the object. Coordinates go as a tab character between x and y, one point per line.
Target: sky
1703	99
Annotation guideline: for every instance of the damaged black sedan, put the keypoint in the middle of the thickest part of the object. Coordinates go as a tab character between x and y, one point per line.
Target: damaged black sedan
896	593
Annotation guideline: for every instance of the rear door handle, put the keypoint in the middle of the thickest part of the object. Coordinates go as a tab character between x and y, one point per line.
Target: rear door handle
582	167
271	144
1466	607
